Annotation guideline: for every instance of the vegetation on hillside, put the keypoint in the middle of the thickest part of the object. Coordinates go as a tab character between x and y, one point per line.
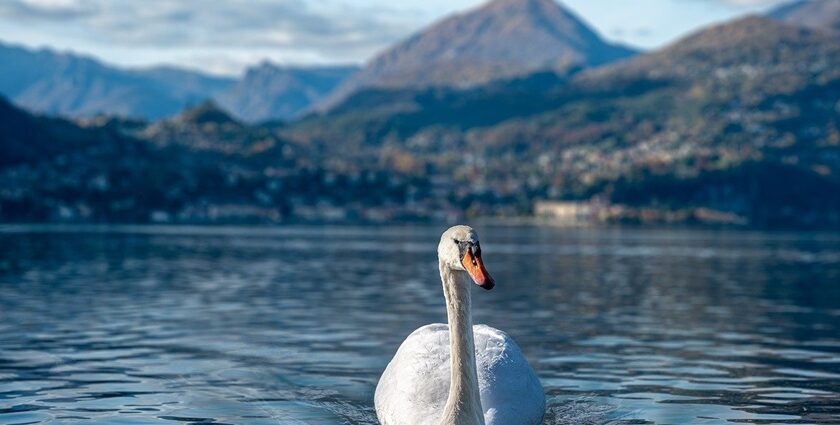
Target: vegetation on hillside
738	123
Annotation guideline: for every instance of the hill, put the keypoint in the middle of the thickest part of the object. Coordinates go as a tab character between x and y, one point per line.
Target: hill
207	127
502	39
201	166
18	129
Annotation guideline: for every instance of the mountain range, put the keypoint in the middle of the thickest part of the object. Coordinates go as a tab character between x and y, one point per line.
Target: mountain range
67	84
502	39
739	117
72	85
499	40
736	123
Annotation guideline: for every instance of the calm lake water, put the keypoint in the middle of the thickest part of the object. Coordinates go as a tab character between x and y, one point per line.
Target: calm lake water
293	325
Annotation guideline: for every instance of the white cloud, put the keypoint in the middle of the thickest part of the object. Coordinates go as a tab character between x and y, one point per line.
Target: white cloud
747	3
33	10
326	28
753	2
53	4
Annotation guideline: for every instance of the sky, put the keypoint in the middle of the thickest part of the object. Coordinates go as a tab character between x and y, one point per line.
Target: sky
226	36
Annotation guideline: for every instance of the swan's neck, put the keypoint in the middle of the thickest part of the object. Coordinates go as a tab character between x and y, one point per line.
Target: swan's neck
463	407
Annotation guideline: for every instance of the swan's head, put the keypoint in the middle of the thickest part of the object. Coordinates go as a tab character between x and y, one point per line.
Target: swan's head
459	249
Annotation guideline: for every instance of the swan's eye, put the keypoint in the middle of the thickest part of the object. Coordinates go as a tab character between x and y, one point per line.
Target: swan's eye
463	247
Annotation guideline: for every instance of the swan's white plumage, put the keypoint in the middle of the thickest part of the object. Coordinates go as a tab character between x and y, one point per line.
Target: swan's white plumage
415	385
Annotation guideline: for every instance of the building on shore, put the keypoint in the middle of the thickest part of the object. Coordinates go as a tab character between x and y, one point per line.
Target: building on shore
572	213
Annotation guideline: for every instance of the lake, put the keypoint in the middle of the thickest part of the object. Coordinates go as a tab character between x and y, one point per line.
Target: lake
293	325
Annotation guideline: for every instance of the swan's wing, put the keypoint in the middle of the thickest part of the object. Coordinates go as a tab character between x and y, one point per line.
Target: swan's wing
414	387
511	393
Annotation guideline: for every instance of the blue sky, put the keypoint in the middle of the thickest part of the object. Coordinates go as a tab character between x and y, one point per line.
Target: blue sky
225	36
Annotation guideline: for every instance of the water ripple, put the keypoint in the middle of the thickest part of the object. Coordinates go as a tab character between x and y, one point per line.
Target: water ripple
293	325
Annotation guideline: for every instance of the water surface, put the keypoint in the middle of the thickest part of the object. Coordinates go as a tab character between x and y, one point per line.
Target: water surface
293	325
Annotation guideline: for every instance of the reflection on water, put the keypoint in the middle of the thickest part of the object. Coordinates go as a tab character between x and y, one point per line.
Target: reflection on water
131	325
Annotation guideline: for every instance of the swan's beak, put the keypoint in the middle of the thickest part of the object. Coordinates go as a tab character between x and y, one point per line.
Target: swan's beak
475	267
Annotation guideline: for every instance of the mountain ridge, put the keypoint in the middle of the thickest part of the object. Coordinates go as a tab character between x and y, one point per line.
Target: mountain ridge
68	84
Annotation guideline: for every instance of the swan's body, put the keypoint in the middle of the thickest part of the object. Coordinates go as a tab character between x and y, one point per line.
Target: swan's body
459	373
415	386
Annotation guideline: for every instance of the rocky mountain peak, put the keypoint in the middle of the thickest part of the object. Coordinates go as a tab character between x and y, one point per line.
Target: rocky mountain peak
499	40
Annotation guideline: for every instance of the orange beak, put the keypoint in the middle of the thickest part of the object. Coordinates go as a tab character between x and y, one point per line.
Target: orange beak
475	267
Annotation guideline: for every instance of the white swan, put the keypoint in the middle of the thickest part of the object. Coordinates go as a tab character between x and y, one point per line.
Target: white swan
490	382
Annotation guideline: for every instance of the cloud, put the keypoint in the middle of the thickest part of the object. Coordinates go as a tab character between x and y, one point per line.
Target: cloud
326	28
747	3
751	2
53	10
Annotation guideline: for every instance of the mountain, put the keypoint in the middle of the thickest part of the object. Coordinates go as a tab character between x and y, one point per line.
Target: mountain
740	118
817	14
76	86
70	85
500	40
269	91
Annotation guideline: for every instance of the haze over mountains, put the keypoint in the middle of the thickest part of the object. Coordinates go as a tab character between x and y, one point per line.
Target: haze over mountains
735	123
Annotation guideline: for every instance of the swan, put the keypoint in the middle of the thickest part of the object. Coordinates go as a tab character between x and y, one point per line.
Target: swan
459	373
